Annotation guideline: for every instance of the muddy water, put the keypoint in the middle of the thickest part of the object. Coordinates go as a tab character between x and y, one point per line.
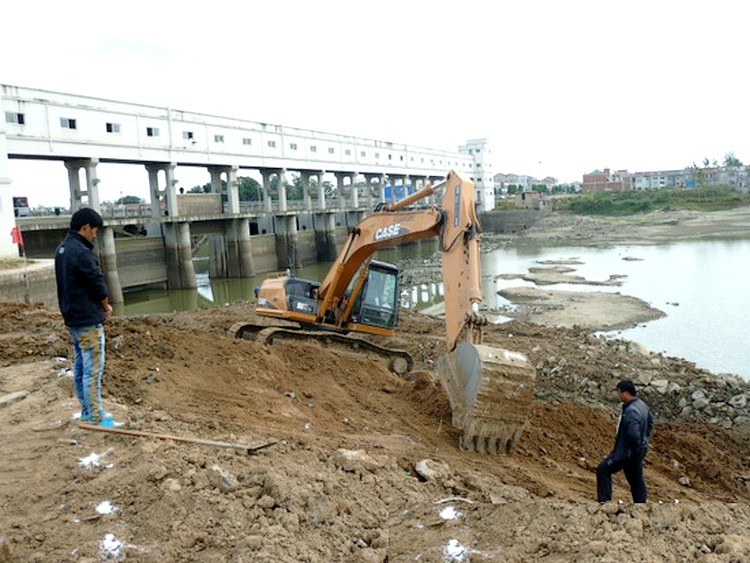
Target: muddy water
700	285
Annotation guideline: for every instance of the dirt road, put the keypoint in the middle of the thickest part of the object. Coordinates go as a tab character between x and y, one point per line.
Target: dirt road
342	482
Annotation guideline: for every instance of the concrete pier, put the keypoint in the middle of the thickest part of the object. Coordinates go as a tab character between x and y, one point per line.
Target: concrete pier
179	256
287	242
325	236
232	251
108	255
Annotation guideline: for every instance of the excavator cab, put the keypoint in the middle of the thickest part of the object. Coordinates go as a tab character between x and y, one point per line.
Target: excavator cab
377	304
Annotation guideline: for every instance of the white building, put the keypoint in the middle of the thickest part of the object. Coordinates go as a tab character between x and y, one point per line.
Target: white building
482	175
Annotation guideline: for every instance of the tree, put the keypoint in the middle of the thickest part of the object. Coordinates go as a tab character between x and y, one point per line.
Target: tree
249	189
204	189
129	199
731	160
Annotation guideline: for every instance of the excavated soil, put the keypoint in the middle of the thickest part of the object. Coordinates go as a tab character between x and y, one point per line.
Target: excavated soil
342	480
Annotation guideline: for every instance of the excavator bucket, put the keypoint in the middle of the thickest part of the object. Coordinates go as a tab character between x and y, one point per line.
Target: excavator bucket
490	391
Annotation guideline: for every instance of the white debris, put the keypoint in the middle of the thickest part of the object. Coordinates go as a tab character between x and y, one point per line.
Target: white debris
110	547
449	513
106	507
94	460
454	551
64	372
90	461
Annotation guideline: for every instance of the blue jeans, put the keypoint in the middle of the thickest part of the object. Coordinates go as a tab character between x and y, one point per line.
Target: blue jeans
88	343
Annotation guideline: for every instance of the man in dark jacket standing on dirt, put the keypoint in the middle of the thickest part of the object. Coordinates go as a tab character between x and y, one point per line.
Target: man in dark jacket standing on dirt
633	436
84	304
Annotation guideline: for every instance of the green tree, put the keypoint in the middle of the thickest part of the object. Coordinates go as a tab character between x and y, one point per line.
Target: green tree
204	189
249	189
128	199
731	160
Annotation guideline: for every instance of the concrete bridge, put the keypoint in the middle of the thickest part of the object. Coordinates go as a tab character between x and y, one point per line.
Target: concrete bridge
152	243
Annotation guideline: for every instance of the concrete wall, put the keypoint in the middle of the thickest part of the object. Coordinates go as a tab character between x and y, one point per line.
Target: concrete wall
42	285
307	251
140	261
264	253
510	221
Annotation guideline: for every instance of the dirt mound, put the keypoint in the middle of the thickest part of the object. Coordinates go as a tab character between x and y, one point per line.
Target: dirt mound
342	482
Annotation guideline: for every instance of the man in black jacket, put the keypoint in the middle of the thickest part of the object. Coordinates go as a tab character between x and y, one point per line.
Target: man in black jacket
84	304
633	436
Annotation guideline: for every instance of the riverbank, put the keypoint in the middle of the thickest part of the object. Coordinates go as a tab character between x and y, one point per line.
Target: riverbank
651	228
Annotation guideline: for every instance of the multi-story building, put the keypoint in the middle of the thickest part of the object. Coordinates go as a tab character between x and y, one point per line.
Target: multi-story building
607	181
479	150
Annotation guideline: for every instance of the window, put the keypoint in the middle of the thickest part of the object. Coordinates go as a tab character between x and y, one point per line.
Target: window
13	117
272	144
401	158
247	141
67	123
218	138
390	157
313	148
348	152
152	131
330	150
377	155
293	146
113	127
187	135
411	159
362	154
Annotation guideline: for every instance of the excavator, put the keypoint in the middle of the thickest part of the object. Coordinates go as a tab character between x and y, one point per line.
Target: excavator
490	389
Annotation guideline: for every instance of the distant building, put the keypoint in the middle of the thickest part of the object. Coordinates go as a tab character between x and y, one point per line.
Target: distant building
606	181
531	200
737	177
479	150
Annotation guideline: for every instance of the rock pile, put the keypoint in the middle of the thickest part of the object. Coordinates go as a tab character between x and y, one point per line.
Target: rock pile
674	388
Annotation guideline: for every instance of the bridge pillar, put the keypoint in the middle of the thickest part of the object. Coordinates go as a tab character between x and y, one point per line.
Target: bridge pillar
306	190
267	203
241	263
325	236
355	191
74	183
321	190
232	189
340	176
169	193
383	181
287	241
369	180
180	270
282	189
232	251
354	218
109	262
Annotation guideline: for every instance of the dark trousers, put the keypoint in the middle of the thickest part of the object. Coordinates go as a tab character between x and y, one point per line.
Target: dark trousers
633	468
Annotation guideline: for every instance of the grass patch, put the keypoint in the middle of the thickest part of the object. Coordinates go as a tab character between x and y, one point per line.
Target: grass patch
13	263
632	202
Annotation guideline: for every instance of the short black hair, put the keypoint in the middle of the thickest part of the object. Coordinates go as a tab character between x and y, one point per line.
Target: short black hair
85	216
627	385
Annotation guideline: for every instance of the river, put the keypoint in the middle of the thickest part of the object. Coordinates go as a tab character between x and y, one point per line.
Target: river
701	285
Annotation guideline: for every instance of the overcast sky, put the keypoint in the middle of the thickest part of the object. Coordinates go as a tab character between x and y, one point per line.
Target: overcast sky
559	87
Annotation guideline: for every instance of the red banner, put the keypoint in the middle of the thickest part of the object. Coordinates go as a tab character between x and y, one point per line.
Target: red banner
16	235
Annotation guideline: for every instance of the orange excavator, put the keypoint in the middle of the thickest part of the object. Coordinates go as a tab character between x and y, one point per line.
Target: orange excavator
490	389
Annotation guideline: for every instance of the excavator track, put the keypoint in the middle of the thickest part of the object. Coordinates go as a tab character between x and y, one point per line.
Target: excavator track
490	391
399	362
